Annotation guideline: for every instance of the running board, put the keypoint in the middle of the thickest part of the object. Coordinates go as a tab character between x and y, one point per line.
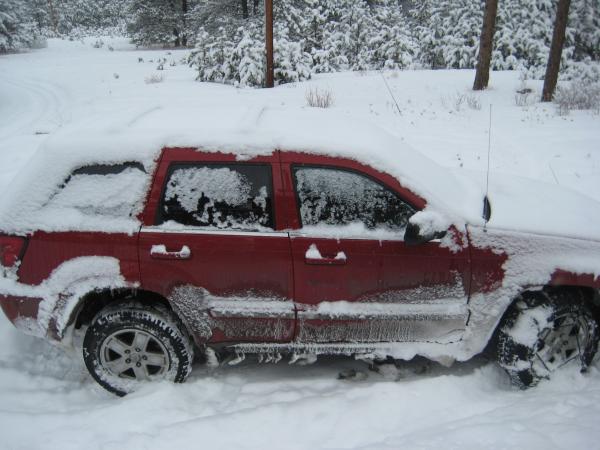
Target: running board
296	348
312	349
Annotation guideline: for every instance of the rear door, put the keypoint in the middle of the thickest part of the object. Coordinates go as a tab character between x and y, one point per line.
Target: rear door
212	245
355	279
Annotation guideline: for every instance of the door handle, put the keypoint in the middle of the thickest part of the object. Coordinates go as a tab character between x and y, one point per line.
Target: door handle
339	260
325	261
160	252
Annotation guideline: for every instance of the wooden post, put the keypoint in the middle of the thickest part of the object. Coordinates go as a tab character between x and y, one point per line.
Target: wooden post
269	78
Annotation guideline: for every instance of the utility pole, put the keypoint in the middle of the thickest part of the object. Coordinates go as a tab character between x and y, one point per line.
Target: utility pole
269	78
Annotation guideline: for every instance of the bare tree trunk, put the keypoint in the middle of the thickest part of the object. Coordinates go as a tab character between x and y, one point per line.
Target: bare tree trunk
558	39
245	8
482	74
255	6
184	11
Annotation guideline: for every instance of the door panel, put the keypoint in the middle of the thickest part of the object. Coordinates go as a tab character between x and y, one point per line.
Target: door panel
384	291
239	283
324	291
433	282
212	246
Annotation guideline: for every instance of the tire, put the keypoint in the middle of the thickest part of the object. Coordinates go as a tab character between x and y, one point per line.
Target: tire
129	344
544	331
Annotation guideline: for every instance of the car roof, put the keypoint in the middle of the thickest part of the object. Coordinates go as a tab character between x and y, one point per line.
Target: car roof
139	135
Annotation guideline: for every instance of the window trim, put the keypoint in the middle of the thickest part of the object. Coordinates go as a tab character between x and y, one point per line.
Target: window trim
295	166
216	164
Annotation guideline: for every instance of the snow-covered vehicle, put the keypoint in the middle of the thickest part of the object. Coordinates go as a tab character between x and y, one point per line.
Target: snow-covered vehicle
291	233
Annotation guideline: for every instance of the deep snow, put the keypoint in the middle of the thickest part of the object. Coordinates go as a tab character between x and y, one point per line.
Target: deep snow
47	401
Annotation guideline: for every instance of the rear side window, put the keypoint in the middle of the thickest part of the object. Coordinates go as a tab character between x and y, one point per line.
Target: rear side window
224	196
102	190
329	196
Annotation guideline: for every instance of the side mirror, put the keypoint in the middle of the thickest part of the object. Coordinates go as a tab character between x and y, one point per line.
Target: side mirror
424	228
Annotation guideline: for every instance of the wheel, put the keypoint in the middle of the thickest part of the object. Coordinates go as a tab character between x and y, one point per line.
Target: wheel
131	344
543	332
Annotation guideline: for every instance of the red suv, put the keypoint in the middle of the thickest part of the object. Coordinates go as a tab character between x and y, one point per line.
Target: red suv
142	262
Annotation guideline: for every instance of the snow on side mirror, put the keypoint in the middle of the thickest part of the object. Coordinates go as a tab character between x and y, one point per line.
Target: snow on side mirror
425	226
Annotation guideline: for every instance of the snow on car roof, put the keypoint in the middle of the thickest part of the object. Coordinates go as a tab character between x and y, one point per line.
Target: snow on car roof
139	135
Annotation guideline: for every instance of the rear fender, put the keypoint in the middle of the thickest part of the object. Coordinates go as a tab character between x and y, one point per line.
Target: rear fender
62	292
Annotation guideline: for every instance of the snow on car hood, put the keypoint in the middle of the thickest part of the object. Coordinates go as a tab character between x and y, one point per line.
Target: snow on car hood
525	205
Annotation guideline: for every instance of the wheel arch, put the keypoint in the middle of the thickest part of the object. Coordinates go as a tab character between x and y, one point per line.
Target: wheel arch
544	329
589	295
91	303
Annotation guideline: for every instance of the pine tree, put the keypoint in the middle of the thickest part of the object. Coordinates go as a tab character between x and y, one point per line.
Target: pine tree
448	32
391	45
316	36
17	30
522	38
584	20
159	22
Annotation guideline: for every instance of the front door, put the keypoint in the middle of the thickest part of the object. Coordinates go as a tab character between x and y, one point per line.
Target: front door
213	248
355	279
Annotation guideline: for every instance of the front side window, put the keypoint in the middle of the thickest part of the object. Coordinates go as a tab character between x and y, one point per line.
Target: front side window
224	196
330	196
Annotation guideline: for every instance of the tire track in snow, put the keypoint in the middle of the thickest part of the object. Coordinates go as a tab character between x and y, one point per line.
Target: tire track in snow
30	108
31	105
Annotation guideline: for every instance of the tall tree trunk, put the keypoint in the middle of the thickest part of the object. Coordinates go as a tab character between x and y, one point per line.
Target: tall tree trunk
184	11
482	74
558	39
245	8
255	6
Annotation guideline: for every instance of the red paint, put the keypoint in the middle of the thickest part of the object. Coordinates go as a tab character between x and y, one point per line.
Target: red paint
11	250
46	251
268	266
564	278
15	307
487	272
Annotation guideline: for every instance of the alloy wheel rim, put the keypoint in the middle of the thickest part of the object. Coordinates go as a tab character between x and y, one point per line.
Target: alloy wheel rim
134	354
563	343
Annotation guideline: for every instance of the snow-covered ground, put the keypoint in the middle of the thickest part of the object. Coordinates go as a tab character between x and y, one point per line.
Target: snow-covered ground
48	401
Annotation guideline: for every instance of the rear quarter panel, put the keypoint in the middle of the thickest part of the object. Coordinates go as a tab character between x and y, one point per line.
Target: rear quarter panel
46	251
